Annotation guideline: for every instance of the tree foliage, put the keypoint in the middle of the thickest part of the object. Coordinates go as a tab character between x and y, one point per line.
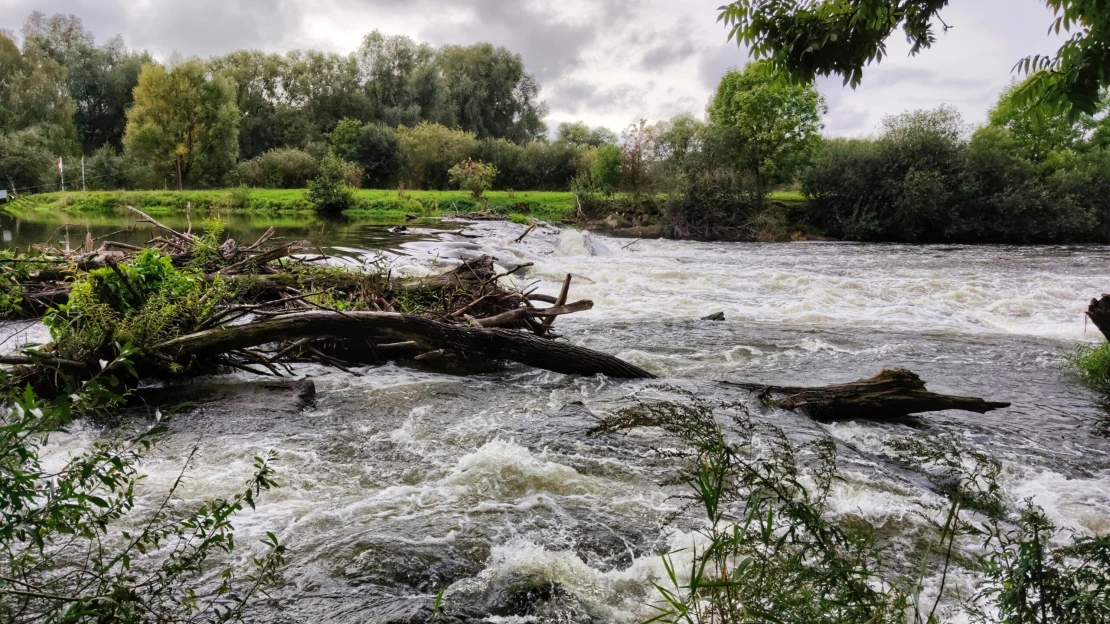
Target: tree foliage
808	38
1040	135
924	180
184	118
776	123
491	95
330	191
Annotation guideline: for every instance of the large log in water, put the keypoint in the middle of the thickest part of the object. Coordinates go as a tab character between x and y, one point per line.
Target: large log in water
893	394
1099	313
485	342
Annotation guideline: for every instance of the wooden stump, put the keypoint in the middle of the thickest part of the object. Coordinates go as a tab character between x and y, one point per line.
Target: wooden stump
1099	313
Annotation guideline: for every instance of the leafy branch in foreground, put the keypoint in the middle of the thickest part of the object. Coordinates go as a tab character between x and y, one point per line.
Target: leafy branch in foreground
809	38
65	554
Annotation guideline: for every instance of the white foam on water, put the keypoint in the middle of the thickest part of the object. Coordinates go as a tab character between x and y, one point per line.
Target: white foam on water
981	289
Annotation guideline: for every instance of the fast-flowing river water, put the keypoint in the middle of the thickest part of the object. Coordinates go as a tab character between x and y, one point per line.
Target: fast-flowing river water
398	483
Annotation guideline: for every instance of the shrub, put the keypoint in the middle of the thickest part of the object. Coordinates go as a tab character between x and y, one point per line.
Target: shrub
379	155
27	160
329	191
107	170
715	204
429	150
473	176
606	169
1093	364
66	556
283	167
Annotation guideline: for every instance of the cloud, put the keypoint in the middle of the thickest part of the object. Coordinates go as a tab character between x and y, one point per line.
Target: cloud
606	62
666	47
717	60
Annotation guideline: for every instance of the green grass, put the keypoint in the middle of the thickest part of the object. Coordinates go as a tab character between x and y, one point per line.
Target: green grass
546	205
1093	364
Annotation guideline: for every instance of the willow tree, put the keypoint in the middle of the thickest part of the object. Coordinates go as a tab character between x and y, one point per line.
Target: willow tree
810	38
184	121
776	124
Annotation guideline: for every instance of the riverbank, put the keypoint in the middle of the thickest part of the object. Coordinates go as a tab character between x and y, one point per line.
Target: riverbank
617	216
543	205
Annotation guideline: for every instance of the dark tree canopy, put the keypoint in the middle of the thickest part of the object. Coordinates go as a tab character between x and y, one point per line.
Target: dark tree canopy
809	38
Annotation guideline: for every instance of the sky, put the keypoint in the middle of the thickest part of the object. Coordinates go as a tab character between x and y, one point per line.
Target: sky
606	62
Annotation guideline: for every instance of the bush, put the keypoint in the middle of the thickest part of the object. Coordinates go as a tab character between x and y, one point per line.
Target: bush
429	150
108	170
606	169
283	167
27	160
329	191
715	204
473	176
379	155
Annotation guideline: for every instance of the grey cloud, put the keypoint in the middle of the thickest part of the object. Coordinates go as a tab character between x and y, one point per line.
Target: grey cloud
550	43
196	28
717	60
668	47
575	96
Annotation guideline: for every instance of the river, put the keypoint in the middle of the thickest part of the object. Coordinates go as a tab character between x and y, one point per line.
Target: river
399	482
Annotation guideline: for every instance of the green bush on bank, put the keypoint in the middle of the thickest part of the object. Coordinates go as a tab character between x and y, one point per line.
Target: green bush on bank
923	181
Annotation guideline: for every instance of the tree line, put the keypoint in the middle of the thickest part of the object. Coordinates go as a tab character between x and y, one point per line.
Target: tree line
63	95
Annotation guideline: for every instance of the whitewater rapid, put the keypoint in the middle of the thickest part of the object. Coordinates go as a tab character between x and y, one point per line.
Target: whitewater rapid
399	483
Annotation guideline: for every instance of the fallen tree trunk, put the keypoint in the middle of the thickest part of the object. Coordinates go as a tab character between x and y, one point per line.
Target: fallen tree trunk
1099	313
486	342
893	394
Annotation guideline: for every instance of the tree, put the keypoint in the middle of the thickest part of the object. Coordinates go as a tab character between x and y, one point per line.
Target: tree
578	133
326	87
490	93
184	121
379	154
401	80
636	149
1039	135
267	120
329	190
606	169
58	35
36	124
428	150
809	38
32	90
474	176
776	122
102	81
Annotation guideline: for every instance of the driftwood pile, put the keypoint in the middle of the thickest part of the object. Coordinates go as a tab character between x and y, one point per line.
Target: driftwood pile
284	312
281	313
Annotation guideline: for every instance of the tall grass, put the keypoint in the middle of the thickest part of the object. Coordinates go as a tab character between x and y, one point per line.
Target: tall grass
769	550
1093	364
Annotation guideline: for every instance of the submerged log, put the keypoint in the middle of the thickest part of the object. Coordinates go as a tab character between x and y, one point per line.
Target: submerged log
1099	313
484	342
891	395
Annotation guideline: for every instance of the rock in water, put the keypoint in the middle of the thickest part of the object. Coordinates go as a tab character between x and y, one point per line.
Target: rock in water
716	316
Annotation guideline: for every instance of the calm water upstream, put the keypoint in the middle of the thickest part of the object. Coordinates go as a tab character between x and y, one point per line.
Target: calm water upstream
397	483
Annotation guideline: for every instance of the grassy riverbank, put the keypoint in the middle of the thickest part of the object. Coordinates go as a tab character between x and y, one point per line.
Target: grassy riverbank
550	206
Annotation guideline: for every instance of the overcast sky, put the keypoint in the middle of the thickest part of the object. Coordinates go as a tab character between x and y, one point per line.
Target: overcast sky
607	62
